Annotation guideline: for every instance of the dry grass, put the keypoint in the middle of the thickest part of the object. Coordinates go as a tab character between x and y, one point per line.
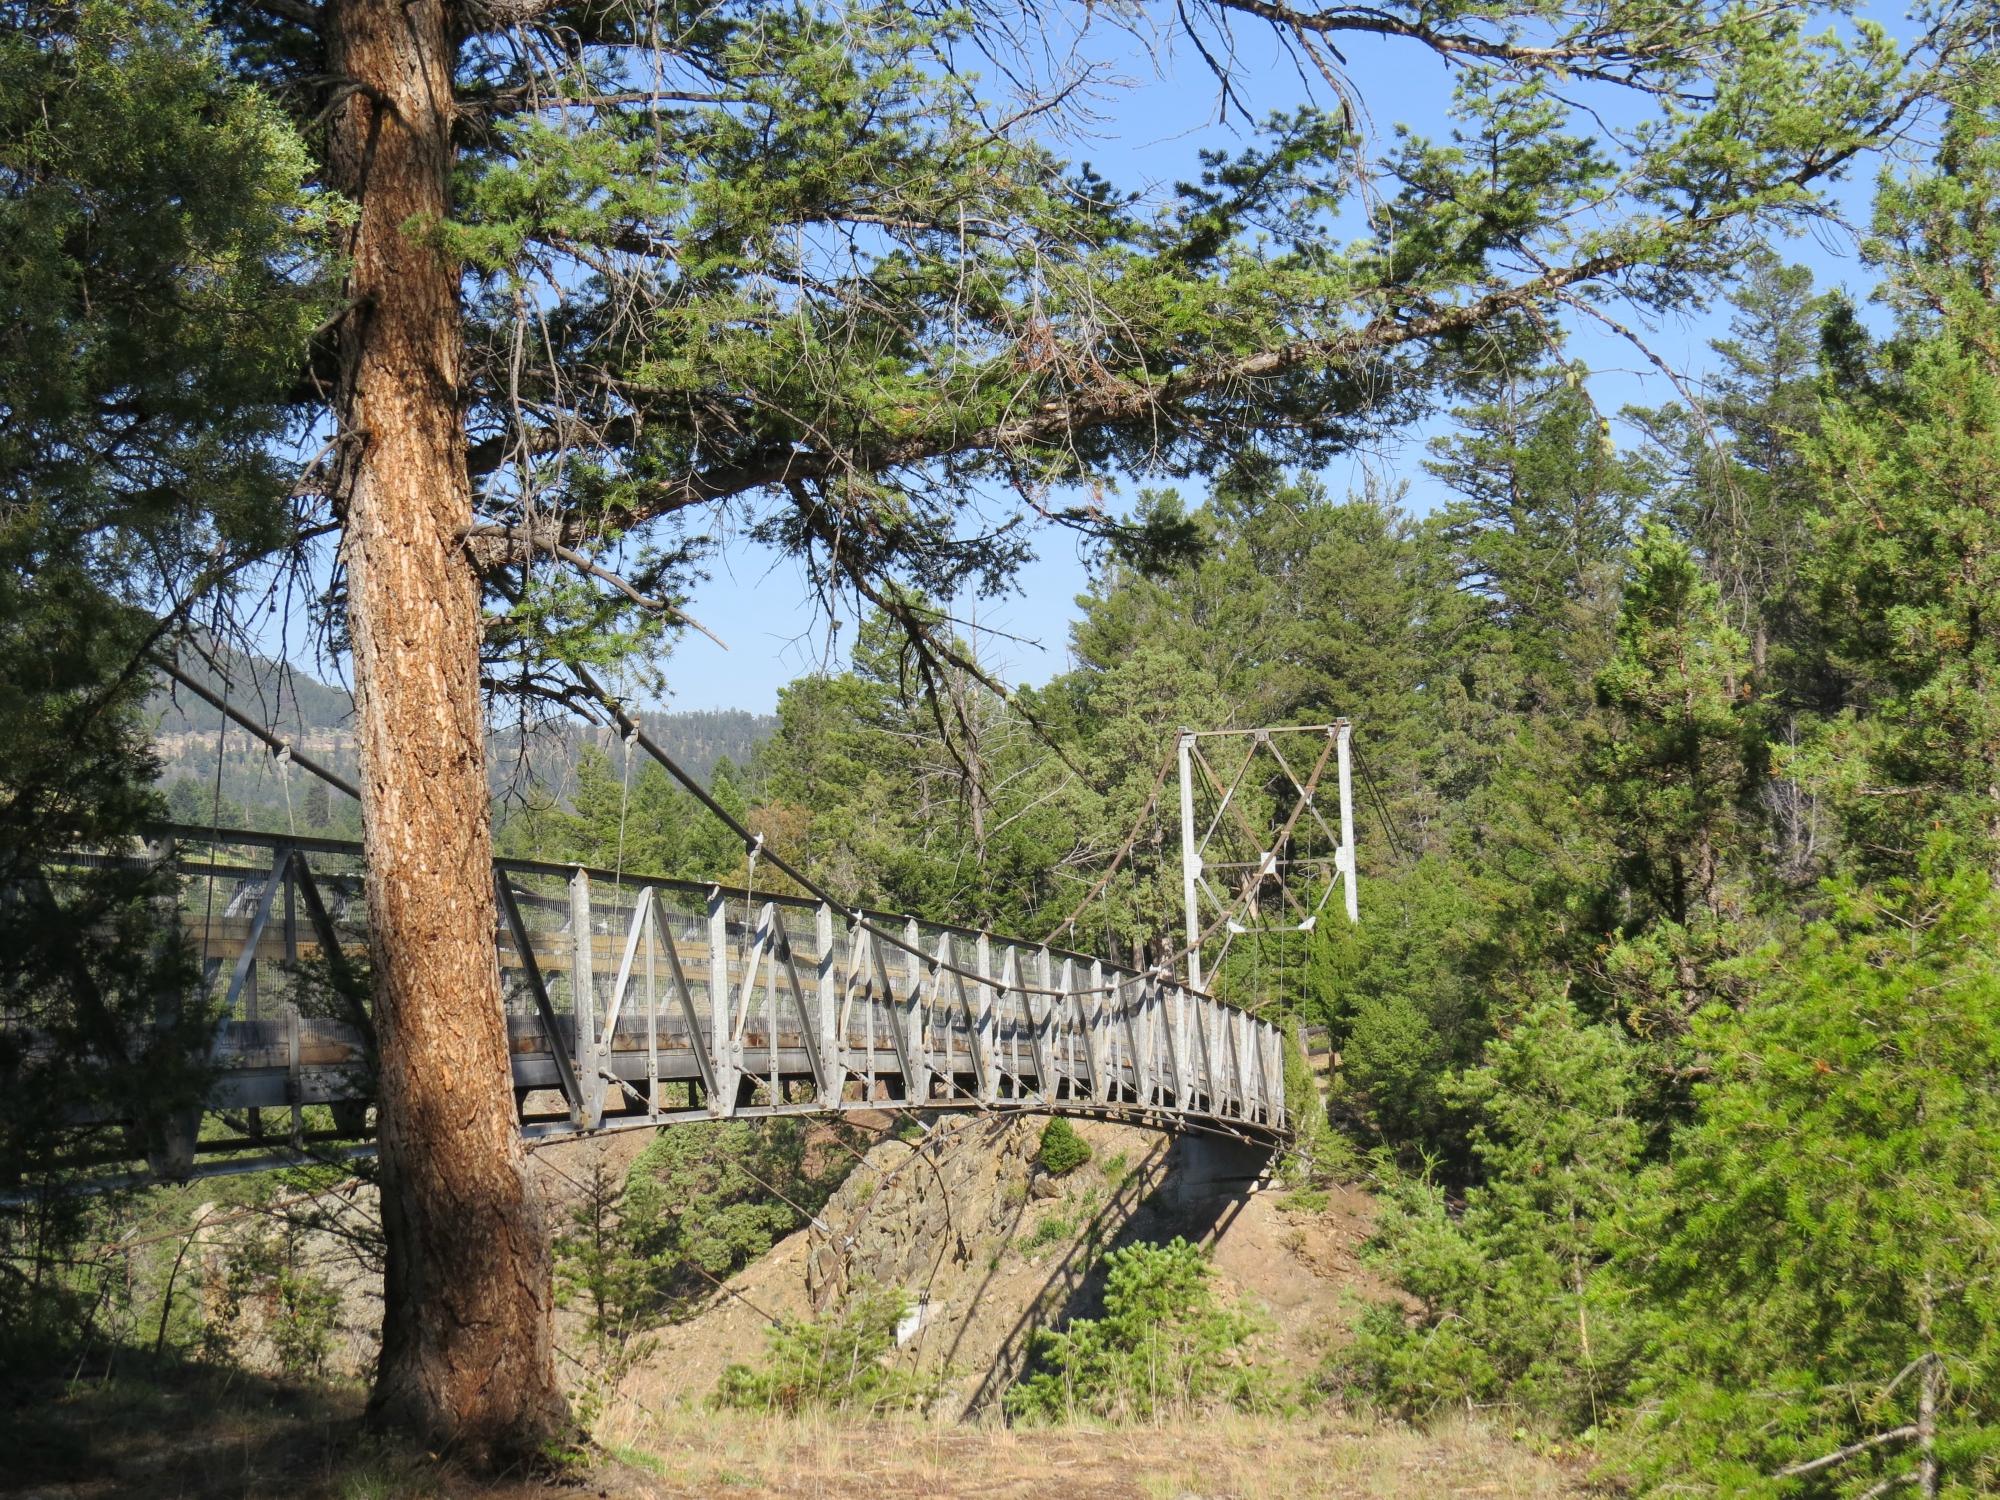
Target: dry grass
223	1438
187	1430
698	1453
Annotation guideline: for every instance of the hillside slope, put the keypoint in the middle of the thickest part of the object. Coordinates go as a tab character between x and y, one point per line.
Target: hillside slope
189	738
986	1249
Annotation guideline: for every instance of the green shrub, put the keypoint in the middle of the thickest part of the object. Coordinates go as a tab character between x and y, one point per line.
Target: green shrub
1317	1152
838	1362
701	1202
271	1289
1306	1200
1162	1348
1055	1227
1062	1150
303	1323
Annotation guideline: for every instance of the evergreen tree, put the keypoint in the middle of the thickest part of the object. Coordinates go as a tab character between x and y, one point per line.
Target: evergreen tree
1513	1301
1907	547
318	806
1540	531
1405	1009
1670	788
150	212
1296	609
1672	767
1818	1256
1740	491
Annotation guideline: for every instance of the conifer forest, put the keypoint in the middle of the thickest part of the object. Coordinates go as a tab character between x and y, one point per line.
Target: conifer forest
1581	416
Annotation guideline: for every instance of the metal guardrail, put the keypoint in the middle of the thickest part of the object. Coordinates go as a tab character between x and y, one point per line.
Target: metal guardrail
641	1001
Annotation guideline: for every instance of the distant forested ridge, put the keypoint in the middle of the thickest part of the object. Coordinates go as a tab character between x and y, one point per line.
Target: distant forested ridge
318	718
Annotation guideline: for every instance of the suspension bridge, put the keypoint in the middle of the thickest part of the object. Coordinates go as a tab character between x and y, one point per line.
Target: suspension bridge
633	1002
637	1001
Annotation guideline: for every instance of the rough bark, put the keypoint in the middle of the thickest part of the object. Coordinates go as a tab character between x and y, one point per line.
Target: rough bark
468	1344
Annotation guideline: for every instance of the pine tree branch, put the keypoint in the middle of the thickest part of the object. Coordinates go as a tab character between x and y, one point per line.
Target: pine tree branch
1602	55
1894	1481
534	99
1842	1455
296	11
496	546
1115	400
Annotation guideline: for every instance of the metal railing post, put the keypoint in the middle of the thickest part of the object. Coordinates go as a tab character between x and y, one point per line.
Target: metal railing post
830	1042
583	1002
721	1009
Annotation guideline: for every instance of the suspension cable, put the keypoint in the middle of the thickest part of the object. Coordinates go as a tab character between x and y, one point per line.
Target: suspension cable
215	827
1152	798
629	725
753	842
624	808
235	715
1381	808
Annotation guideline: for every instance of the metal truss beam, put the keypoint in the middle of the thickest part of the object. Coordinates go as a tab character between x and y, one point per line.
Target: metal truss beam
684	1007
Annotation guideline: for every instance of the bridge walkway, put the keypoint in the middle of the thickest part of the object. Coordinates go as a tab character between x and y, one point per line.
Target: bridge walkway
635	1001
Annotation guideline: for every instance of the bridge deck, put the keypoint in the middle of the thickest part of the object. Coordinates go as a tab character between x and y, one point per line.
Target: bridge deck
618	1007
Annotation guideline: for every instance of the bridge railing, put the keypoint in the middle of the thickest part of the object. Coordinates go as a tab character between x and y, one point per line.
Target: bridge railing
633	1000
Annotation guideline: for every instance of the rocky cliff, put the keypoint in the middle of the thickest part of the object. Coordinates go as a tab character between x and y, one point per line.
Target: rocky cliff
985	1248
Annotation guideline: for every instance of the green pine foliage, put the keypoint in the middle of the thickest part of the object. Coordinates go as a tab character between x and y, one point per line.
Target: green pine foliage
804	263
1512	1303
153	224
1403	1011
841	1361
1164	1348
1906	545
1061	1150
1829	1216
1540	529
625	815
1670	782
1316	1154
1671	770
1725	1200
697	1205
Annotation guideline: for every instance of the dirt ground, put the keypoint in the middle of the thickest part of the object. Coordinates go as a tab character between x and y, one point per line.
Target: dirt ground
217	1439
186	1431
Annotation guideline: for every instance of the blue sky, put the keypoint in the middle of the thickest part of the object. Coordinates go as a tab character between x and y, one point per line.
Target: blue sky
1157	110
1150	128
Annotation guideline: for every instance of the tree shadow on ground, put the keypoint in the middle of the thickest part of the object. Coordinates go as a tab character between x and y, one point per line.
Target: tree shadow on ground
161	1428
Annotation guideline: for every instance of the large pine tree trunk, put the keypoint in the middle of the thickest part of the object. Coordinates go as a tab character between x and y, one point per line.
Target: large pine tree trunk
467	1350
